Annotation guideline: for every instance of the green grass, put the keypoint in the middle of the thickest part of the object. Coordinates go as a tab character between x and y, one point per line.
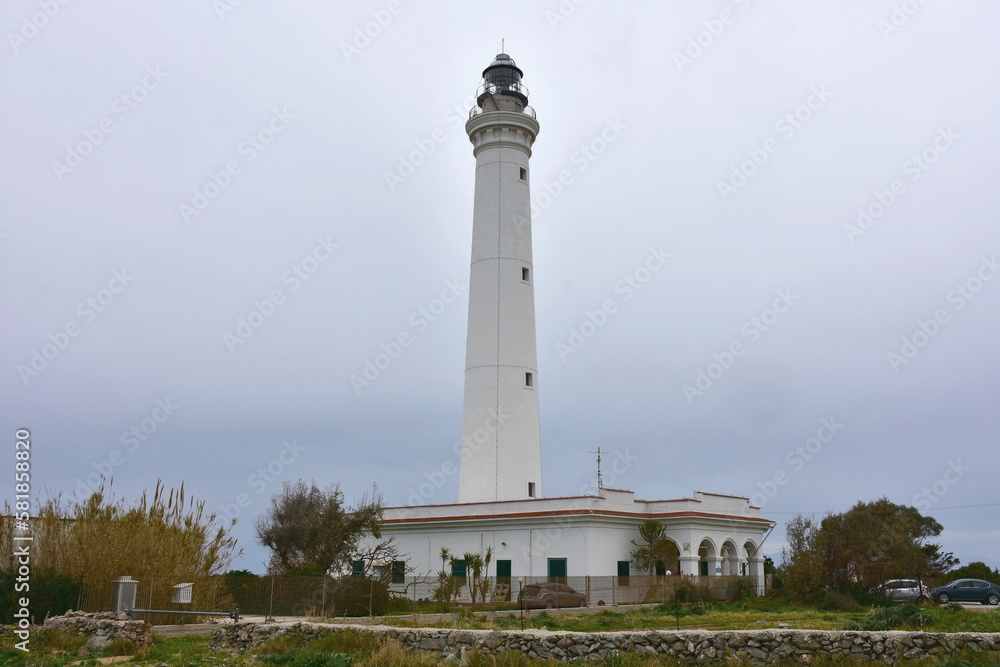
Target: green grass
751	615
358	649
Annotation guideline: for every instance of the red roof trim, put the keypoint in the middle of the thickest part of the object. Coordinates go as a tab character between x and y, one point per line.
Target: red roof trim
579	512
671	500
492	502
721	495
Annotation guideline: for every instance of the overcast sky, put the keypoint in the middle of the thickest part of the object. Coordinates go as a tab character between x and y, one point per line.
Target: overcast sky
215	214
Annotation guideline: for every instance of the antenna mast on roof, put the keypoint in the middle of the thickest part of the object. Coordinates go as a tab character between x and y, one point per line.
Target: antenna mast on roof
600	480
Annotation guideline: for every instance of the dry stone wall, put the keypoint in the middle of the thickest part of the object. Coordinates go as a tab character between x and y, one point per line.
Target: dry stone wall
103	628
754	646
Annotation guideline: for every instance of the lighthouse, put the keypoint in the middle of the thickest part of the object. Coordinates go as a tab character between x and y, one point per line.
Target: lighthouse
500	509
501	453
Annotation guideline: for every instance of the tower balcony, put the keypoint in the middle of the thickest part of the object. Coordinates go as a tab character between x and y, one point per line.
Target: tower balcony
503	104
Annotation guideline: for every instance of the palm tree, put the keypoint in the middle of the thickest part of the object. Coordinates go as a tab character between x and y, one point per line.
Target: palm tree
473	570
445	557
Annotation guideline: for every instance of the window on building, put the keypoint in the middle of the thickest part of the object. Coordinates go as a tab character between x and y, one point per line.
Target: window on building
458	569
531	489
557	570
525	274
524	174
529	379
398	572
623	572
357	568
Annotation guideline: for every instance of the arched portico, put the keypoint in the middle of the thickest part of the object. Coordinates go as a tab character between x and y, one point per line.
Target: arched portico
731	558
709	562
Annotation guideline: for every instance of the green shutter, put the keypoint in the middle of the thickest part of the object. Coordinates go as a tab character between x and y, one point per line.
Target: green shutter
458	569
357	568
557	569
623	568
398	572
503	569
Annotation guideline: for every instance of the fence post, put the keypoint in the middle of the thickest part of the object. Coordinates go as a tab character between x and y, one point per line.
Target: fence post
323	603
270	609
371	594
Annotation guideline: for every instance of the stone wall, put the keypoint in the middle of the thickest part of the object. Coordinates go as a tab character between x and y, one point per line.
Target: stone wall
103	628
756	646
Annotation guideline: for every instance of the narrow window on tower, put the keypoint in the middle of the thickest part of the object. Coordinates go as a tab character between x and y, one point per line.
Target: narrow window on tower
531	489
525	274
524	174
529	380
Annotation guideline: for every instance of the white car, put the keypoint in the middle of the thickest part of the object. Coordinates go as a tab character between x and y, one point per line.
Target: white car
906	590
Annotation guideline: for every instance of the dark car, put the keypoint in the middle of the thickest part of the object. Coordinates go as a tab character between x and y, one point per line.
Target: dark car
967	590
549	596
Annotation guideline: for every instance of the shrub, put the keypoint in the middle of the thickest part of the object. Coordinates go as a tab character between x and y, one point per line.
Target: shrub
905	617
835	601
50	595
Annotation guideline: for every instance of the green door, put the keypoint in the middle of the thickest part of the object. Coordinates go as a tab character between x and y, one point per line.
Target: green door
704	568
557	570
501	593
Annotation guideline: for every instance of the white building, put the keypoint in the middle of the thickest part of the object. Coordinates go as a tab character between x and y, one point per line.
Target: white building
500	505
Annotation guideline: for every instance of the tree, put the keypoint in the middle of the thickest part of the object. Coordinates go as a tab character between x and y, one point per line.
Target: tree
656	549
864	546
976	570
802	562
474	571
310	531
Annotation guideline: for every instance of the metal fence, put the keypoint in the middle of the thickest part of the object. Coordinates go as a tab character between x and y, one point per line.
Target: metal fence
287	596
599	591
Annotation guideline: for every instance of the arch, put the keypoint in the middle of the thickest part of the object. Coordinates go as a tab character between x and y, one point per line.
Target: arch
731	556
707	557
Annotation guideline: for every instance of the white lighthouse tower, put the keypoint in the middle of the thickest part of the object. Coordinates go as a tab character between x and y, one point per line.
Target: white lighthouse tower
501	458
